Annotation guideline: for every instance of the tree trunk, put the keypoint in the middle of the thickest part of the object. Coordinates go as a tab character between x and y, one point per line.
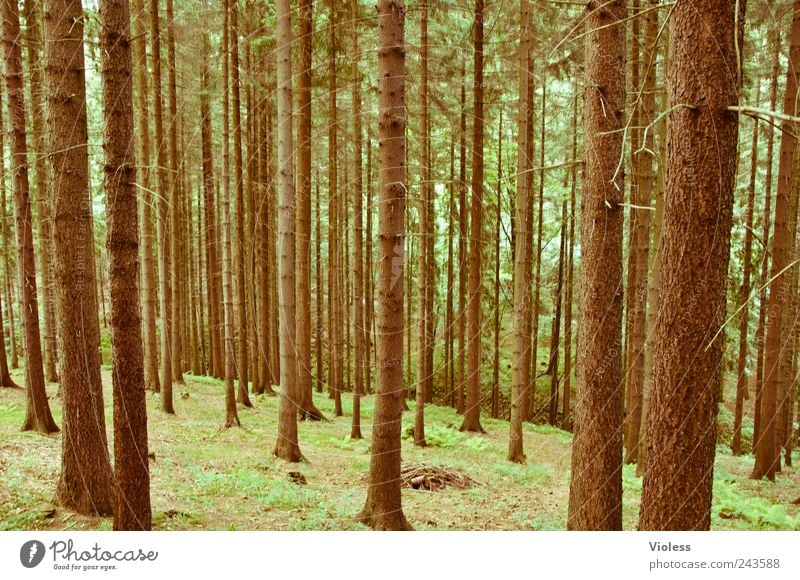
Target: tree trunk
369	313
497	224
537	277
766	446
698	203
287	446
472	413
566	423
463	233
595	498
44	202
521	365
86	481
383	509
132	500
163	229
5	376
555	336
37	415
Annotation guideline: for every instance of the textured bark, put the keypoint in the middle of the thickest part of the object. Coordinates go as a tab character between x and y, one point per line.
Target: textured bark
521	363
37	414
497	224
425	311
86	481
163	224
358	236
698	204
132	509
449	365
5	376
766	446
304	375
472	412
33	38
744	291
595	494
319	329
566	422
383	509
287	446
369	311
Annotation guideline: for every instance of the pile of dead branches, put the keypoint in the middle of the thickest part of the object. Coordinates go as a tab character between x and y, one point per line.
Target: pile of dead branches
433	478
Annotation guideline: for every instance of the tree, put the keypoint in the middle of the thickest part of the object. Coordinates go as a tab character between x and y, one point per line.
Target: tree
37	416
5	376
287	446
472	412
767	447
698	205
86	481
383	509
132	501
595	493
522	275
163	223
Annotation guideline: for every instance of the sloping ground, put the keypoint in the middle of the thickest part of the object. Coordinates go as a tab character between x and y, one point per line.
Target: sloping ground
204	477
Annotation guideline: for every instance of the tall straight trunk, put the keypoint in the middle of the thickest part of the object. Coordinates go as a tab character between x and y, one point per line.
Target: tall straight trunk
463	233
537	276
163	224
766	447
472	412
701	167
566	423
266	272
320	315
37	415
358	235
744	291
175	200
5	376
132	509
286	446
86	482
383	509
43	199
369	310
521	365
497	227
555	336
449	366
767	221
304	375
423	380
640	244
595	494
142	116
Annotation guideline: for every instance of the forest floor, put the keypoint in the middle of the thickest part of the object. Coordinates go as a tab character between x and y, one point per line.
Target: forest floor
205	477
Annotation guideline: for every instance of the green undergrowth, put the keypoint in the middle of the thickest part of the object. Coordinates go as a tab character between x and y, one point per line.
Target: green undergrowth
207	477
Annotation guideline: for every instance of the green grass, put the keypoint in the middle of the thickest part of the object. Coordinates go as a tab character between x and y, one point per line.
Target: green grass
206	477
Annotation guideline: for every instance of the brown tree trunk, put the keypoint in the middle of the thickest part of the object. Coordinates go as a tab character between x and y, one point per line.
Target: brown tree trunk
304	375
566	409
287	446
766	447
369	312
555	336
595	498
383	509
744	292
449	367
423	380
537	276
358	235
86	481
320	329
640	244
698	203
132	500
37	415
521	364
463	233
472	412
43	199
497	224
5	376
163	224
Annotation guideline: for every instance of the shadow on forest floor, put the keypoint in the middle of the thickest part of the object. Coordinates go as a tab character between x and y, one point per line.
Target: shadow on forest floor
204	477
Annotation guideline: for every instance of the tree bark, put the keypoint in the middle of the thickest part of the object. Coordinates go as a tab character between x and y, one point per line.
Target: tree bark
698	203
463	234
566	423
86	481
132	509
383	509
595	494
287	446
